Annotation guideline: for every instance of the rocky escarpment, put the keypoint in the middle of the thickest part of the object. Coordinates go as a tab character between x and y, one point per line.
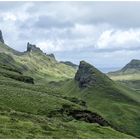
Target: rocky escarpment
33	48
51	55
1	37
87	75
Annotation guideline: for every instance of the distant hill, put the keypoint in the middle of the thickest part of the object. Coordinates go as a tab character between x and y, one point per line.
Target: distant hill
132	67
69	64
130	72
38	63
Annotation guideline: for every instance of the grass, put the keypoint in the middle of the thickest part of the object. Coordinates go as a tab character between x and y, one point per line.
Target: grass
117	104
25	108
36	64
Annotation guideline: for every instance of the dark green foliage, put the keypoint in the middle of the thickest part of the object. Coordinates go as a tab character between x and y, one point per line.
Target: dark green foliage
76	100
18	77
7	62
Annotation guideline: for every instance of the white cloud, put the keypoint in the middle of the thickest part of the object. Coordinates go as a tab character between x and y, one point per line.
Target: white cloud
96	28
116	39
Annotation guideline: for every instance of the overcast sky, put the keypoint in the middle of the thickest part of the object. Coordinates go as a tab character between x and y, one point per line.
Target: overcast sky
106	34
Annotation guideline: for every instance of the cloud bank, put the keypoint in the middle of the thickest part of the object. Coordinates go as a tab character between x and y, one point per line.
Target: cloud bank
98	32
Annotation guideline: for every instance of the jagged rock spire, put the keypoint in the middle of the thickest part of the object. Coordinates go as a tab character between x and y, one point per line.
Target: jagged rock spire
31	48
1	37
87	75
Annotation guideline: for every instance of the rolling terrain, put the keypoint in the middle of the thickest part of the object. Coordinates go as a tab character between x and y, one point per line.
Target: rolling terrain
128	75
115	102
43	98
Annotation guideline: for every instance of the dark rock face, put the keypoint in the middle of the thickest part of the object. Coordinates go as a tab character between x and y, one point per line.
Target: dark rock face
88	116
33	48
51	55
87	75
1	37
81	115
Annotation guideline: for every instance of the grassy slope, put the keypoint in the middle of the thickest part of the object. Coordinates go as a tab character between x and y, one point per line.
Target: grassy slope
39	65
116	103
24	109
128	75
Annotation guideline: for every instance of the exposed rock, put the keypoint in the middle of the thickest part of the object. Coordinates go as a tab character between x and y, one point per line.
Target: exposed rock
69	64
81	115
87	75
1	37
51	55
88	116
32	48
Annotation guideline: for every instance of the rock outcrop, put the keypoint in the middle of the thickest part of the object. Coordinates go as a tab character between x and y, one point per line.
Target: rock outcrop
51	55
33	48
87	75
1	37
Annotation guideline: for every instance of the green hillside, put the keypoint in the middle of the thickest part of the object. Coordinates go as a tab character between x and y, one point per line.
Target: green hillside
128	75
43	98
38	64
116	103
30	111
130	71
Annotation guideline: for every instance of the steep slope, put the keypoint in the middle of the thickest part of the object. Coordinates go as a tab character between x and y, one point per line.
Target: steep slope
88	75
38	64
32	107
44	66
116	103
39	111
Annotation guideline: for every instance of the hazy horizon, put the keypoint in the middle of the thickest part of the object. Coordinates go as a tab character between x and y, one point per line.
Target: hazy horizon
105	34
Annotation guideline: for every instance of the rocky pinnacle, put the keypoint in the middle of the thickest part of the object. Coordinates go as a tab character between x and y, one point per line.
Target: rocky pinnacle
1	37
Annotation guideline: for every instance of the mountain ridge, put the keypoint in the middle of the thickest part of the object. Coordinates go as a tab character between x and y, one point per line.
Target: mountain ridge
39	64
44	98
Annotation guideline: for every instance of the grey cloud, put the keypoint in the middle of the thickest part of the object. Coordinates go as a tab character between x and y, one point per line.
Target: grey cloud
121	14
57	20
50	22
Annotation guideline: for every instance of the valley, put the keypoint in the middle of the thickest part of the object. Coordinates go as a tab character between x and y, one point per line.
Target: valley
43	98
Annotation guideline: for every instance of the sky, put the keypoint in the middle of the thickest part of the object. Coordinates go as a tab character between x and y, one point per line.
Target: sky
105	34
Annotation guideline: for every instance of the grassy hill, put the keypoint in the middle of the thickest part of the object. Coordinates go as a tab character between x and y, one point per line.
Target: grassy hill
35	111
38	64
43	98
128	75
115	102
